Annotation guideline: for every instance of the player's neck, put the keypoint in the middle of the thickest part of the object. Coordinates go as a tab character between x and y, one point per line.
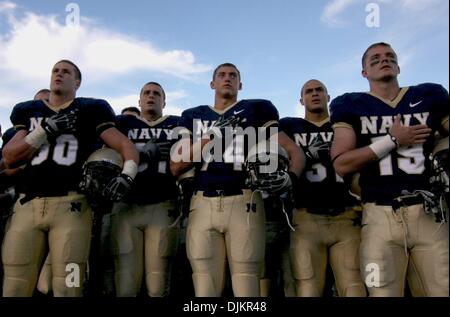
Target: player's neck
151	116
57	100
387	90
223	103
316	117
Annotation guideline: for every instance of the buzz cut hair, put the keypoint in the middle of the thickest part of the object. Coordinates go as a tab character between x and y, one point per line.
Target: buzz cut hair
156	84
42	91
321	83
226	65
369	48
131	109
77	70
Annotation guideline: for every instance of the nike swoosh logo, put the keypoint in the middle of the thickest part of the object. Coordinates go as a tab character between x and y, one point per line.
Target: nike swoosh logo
238	112
416	104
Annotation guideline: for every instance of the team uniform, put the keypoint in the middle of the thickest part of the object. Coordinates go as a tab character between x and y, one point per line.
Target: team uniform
144	229
397	233
50	211
226	220
325	219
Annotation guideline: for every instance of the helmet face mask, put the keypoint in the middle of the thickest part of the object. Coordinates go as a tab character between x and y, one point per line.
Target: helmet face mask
100	168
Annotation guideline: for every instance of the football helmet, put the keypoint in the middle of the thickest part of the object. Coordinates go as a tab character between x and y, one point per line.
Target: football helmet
439	175
99	169
267	166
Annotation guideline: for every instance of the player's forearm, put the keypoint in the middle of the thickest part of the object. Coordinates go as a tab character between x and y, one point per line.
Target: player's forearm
297	158
119	142
298	162
17	151
129	151
185	154
178	168
353	161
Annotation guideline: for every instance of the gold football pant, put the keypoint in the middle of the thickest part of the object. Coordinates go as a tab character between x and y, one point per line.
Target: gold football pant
67	222
395	242
144	241
226	227
317	237
44	284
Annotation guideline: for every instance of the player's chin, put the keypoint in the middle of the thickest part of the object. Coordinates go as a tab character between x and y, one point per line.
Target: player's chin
227	93
57	91
316	108
388	77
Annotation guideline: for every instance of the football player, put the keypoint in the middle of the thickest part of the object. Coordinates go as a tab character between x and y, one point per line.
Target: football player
387	135
226	220
325	226
144	230
54	139
44	284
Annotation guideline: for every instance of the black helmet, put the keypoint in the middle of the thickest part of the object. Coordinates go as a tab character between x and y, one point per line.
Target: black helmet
99	169
267	165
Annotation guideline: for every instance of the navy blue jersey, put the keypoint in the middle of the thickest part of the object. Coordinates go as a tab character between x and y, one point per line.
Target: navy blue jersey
320	187
154	183
57	167
227	173
371	117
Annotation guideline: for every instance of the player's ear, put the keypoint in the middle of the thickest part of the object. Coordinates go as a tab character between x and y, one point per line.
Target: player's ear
211	84
328	98
164	104
77	84
364	73
240	86
301	102
399	69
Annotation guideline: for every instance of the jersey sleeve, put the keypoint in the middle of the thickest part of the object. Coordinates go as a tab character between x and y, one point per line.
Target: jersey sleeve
186	122
20	117
441	105
102	115
267	114
120	123
175	137
8	135
284	127
341	115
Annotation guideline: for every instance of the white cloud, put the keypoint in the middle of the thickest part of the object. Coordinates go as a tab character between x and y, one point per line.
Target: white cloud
299	110
31	43
99	52
7	6
333	9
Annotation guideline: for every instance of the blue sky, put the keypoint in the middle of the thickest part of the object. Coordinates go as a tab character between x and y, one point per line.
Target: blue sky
278	45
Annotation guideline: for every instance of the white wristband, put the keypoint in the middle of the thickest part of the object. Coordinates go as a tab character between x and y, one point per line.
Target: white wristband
37	137
383	147
130	168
